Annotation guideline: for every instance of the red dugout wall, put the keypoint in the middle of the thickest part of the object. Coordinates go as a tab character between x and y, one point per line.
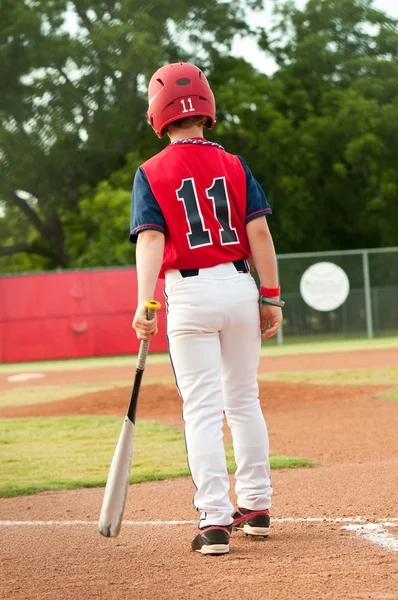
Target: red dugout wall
72	314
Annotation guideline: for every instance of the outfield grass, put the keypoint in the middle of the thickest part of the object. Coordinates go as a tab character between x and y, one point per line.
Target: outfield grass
73	452
316	346
374	376
24	396
391	395
269	348
76	364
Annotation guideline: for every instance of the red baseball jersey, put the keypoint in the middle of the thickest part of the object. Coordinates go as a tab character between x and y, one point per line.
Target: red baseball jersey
201	197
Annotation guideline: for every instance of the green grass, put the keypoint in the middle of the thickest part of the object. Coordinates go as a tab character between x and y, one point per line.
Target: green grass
374	376
270	348
72	452
24	396
391	395
41	394
76	364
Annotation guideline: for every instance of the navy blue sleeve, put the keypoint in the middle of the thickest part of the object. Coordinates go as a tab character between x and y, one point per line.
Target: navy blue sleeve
256	202
145	211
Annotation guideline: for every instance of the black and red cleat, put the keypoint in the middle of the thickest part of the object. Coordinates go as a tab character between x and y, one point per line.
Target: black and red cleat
252	522
212	540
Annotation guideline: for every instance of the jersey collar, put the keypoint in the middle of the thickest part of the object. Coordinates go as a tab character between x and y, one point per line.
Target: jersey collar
196	140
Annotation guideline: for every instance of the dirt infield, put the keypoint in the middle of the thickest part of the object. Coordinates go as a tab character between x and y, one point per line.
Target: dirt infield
303	419
351	434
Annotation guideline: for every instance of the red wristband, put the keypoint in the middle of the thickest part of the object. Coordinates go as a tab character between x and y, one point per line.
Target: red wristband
270	292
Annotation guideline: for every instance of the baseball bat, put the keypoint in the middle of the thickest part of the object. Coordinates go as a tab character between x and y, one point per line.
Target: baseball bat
115	495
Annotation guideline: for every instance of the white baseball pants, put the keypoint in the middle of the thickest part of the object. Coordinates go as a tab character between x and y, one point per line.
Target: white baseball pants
213	329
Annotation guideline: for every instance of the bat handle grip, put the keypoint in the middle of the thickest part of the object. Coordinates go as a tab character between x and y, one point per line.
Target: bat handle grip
151	307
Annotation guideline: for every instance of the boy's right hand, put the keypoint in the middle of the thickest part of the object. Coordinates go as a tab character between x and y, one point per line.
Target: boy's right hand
144	328
270	320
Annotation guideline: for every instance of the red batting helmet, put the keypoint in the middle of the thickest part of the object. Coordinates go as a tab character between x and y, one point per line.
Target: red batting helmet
176	91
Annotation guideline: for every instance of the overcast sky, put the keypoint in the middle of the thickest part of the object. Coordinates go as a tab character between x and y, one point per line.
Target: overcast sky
248	48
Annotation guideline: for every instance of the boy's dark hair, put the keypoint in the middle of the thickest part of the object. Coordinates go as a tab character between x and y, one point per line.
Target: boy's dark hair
187	122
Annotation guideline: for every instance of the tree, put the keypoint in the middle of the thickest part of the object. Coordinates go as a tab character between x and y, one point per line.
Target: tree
72	104
321	133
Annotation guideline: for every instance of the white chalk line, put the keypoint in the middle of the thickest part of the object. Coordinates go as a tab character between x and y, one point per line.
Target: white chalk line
372	532
91	523
376	533
392	522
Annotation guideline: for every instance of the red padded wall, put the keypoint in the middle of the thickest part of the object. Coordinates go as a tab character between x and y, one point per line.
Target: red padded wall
72	314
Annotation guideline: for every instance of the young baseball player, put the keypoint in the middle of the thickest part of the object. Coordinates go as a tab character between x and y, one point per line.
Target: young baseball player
197	216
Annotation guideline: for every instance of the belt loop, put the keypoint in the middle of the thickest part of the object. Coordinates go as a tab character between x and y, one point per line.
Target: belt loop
241	265
189	272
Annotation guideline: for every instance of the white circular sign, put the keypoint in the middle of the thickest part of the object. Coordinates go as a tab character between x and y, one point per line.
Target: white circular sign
324	286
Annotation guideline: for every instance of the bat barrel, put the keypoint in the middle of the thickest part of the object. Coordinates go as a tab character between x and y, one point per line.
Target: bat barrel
117	485
115	495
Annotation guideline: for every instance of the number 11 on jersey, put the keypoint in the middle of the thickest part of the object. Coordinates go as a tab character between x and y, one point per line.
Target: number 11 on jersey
199	235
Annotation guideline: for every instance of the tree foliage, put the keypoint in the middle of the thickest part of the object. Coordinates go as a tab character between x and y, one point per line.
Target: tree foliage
320	134
72	104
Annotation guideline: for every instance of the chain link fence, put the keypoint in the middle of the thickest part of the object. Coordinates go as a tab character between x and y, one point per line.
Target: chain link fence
370	310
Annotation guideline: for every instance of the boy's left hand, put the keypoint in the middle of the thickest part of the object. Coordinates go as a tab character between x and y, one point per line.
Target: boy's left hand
270	320
144	328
